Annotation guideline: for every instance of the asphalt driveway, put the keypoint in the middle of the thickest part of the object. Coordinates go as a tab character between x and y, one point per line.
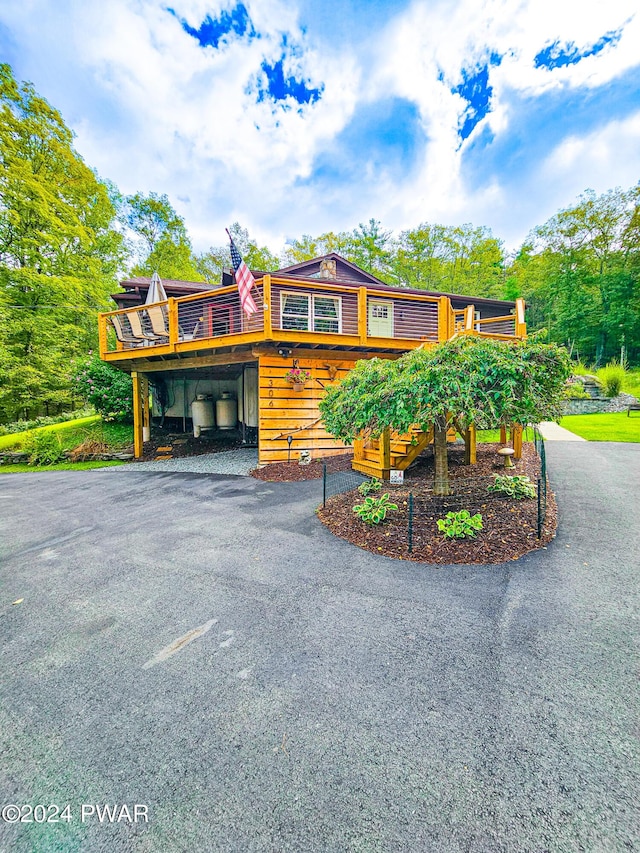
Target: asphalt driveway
202	648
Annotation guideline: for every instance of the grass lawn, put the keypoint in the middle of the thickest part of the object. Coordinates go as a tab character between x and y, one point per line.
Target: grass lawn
14	439
632	383
71	434
604	427
61	466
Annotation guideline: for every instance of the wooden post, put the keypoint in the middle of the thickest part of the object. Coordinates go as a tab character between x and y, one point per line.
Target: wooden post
469	313
146	412
521	326
102	334
503	434
444	308
266	295
173	322
516	436
358	448
362	314
137	416
385	448
470	456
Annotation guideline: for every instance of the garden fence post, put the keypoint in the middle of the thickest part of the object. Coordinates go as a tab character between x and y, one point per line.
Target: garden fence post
324	484
410	522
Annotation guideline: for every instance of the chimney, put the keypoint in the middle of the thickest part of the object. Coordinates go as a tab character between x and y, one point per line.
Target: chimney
328	269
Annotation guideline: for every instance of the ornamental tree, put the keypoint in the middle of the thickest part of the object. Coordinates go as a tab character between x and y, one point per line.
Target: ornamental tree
467	380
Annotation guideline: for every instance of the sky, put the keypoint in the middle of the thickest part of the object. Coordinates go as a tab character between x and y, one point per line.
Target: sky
297	117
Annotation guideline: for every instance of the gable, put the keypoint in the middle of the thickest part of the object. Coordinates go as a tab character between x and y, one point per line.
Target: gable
332	267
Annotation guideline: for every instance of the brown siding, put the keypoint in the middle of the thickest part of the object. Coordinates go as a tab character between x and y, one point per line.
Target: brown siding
349	305
284	411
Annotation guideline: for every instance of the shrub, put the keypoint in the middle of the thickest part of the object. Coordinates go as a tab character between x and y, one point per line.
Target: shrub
44	448
108	390
372	485
518	487
575	391
611	379
459	525
374	510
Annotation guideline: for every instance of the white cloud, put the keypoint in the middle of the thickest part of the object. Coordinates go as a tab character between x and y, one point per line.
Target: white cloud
154	111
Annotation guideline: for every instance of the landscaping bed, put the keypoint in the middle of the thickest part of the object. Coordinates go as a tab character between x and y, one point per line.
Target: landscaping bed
509	526
286	472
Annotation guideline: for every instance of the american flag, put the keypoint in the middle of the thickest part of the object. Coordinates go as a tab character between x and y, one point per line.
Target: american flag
244	280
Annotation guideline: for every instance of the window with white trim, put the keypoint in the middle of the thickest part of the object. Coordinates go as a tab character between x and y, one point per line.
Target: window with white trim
311	312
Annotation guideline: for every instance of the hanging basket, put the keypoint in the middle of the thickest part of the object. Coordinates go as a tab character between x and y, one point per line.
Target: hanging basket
298	386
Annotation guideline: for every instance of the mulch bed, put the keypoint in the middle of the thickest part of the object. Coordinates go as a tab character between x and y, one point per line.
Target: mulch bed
286	472
186	445
509	526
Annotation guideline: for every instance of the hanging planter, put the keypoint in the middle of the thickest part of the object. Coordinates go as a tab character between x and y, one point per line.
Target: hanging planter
297	377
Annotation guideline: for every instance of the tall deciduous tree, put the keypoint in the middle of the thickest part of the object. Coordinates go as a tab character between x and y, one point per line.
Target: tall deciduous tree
59	252
467	379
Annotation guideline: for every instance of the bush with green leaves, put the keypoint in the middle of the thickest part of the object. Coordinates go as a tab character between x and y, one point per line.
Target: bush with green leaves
611	379
108	390
372	485
518	487
44	448
459	525
374	510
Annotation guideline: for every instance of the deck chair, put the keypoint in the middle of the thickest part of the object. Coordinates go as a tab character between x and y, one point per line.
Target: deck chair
135	320
122	334
158	319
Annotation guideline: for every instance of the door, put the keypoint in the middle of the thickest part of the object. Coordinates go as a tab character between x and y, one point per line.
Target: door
380	319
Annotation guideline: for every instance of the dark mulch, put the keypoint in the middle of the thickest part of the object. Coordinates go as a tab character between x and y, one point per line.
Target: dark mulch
292	471
509	526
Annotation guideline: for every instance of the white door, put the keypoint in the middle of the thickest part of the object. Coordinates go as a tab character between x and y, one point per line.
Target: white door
380	319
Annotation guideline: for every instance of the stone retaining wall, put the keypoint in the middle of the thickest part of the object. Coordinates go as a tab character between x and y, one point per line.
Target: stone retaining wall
596	405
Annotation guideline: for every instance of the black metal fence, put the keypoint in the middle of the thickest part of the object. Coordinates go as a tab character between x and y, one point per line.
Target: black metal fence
538	441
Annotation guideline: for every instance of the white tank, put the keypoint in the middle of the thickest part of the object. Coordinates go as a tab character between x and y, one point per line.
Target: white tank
227	411
202	414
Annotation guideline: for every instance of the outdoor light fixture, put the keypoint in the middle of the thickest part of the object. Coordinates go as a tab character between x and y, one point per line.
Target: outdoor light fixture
285	353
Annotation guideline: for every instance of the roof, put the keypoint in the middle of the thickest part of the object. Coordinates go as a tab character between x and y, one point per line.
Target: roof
347	274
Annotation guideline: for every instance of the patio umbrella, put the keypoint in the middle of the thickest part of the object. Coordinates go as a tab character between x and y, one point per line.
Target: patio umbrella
156	292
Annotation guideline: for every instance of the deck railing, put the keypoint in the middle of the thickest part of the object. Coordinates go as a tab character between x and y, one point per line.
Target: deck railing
296	312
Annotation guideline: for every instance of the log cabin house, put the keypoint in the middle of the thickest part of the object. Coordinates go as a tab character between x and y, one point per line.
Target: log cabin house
321	316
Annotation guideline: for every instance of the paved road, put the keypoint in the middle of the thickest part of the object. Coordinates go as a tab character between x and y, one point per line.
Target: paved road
202	646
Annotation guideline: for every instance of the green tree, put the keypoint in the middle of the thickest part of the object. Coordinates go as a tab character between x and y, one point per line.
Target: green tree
59	252
581	276
466	380
157	238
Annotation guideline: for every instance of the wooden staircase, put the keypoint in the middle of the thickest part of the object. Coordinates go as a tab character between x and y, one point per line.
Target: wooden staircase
375	457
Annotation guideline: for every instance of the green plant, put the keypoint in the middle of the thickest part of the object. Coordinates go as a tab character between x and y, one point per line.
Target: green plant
518	487
574	390
44	448
108	390
372	485
374	510
611	378
459	525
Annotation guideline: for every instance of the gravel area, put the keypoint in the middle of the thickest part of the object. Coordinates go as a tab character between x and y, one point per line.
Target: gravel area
240	461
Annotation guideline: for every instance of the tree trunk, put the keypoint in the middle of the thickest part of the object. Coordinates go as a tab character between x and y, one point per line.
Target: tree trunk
441	483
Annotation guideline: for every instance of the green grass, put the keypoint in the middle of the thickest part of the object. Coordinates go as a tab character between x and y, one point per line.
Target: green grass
631	383
615	426
15	438
73	433
62	466
492	436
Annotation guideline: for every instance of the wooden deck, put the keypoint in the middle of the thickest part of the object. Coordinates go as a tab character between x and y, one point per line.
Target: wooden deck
338	318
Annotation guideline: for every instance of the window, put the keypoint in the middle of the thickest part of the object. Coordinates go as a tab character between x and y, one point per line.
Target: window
305	312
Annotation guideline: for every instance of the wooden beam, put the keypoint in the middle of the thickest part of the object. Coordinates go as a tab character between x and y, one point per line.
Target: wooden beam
470	455
266	307
326	354
362	314
137	415
201	361
516	436
385	448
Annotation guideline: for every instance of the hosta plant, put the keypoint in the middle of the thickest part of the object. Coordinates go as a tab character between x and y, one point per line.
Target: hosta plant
517	487
459	525
374	510
372	485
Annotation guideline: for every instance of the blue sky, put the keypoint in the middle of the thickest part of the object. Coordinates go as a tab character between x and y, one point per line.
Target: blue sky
300	117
